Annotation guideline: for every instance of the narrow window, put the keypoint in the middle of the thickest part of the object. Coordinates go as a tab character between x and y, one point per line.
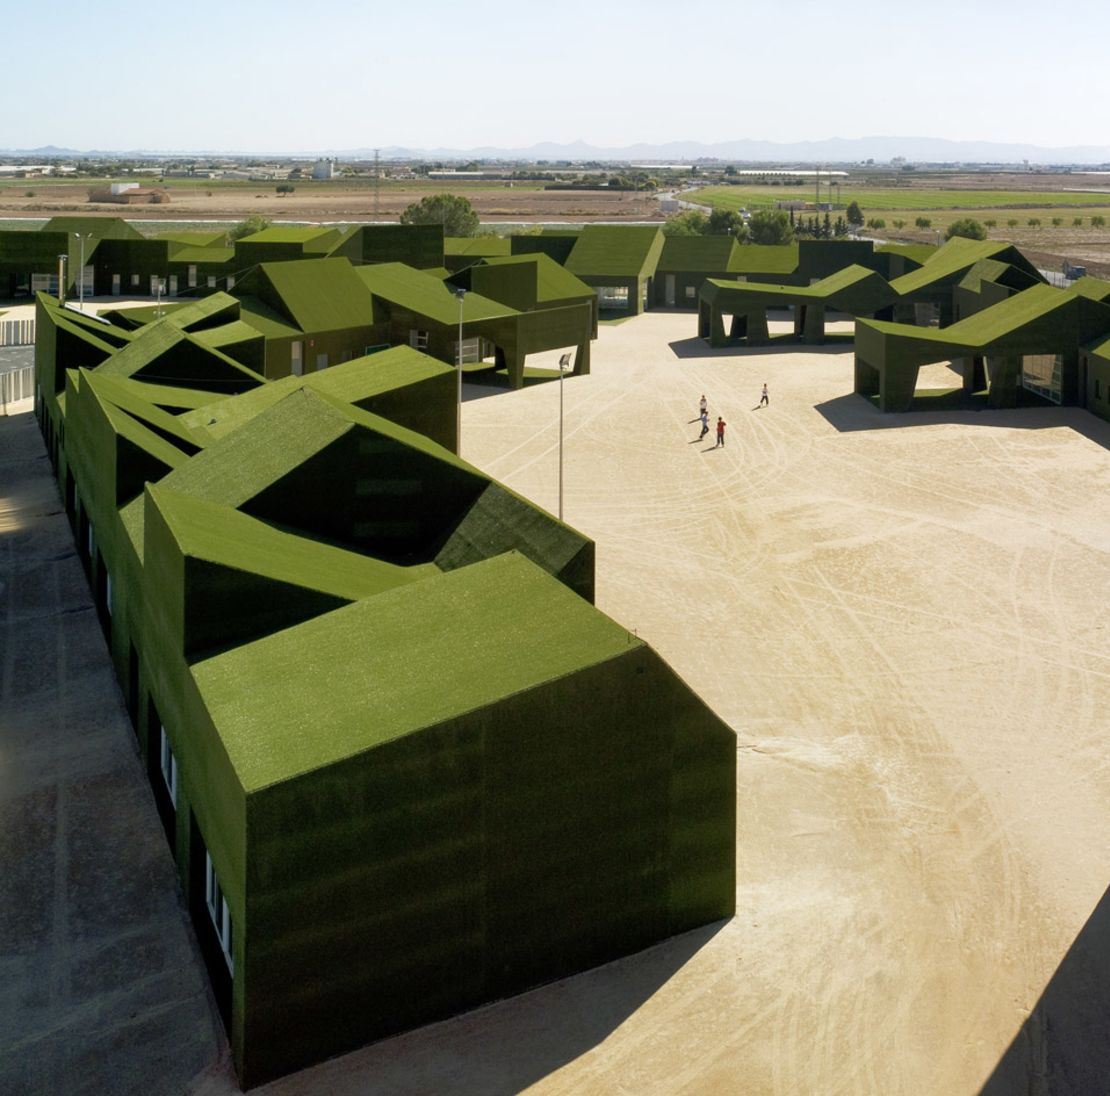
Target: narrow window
218	909
169	765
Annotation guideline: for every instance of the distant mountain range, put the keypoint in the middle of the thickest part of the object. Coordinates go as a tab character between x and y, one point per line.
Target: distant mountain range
835	150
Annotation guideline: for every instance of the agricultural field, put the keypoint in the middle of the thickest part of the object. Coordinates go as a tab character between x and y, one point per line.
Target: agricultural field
1049	223
331	200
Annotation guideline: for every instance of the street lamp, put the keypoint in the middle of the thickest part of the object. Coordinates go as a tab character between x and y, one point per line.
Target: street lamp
81	273
461	295
564	361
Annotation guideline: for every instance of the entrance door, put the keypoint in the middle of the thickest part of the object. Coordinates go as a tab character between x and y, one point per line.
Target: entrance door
115	285
670	290
173	285
296	350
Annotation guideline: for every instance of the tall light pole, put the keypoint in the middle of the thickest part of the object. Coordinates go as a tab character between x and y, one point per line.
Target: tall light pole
82	237
564	361
461	295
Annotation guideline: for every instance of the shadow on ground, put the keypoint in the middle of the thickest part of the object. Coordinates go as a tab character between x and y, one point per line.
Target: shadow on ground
508	1046
697	347
1063	1048
851	412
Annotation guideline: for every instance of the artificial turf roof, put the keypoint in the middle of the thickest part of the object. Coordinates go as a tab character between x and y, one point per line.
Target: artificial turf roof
553	281
954	258
368	666
623	251
697	254
319	294
351	382
427	295
220	534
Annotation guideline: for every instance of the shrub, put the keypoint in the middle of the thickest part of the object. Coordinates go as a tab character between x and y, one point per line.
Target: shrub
968	228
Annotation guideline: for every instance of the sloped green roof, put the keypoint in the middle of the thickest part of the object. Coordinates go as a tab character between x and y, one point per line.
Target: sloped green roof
426	295
195	239
955	257
985	270
161	351
228	334
988	326
1101	347
368	665
126	398
326	238
623	251
764	259
553	282
476	245
165	395
320	294
854	289
697	254
209	253
352	382
264	319
103	228
920	253
1094	289
221	534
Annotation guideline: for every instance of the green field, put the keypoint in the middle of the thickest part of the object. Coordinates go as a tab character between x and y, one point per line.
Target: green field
896	198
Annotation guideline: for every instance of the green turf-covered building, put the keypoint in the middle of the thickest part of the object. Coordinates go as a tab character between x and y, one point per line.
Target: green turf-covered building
855	290
404	765
1028	340
618	262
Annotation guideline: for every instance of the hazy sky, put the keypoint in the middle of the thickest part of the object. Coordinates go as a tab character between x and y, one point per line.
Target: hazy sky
307	75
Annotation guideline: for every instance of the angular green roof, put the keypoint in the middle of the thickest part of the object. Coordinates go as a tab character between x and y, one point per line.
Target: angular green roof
764	259
622	251
352	382
368	664
315	294
427	295
956	257
479	246
221	534
553	281
697	254
324	239
855	289
103	228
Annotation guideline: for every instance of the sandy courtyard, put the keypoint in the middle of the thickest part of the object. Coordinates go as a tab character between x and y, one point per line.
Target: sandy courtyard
903	618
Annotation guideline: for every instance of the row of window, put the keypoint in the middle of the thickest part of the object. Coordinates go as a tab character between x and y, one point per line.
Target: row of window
218	909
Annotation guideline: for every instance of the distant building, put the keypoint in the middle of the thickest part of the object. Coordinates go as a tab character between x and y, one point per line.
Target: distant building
323	169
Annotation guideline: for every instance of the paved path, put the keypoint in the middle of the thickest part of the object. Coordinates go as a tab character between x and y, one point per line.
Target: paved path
101	986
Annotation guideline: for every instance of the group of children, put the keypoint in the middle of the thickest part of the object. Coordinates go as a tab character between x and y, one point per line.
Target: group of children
703	414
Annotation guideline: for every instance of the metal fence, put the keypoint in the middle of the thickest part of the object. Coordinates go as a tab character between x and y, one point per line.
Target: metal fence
16	386
17	332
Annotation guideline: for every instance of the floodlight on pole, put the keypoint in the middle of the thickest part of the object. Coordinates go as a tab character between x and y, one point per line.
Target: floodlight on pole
564	361
461	295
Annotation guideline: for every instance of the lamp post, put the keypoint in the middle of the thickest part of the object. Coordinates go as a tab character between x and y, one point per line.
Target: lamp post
82	237
461	295
564	361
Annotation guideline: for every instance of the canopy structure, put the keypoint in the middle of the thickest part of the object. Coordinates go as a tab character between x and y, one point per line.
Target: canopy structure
855	290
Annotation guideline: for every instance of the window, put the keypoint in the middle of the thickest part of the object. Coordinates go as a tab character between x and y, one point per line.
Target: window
230	282
108	592
168	764
192	279
211	281
321	361
134	281
612	296
418	340
691	292
218	910
471	350
1043	374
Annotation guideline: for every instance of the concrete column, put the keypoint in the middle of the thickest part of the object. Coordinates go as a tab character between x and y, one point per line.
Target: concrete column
757	327
1003	376
814	331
